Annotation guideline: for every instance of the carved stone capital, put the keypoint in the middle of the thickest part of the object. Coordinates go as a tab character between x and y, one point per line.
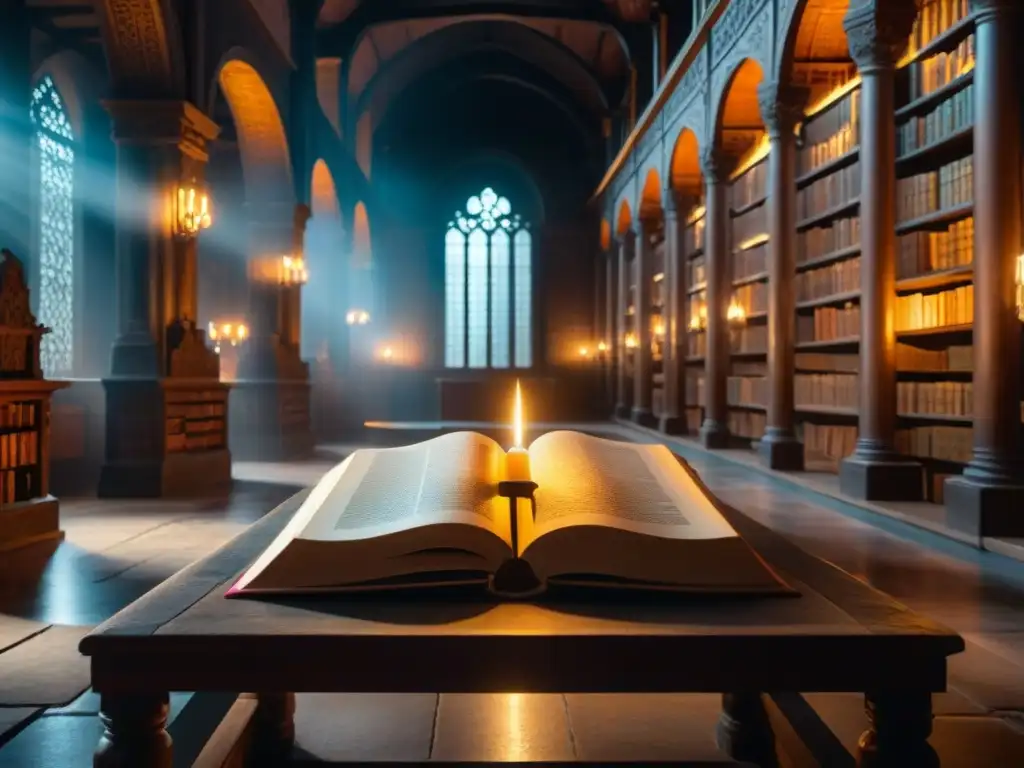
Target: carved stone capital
877	32
716	164
782	106
157	122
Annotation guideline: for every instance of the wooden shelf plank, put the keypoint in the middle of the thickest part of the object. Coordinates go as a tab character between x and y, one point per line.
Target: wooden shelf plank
826	410
757	277
824	301
937	279
924	104
936	218
953	146
940	331
835	212
827	258
850	341
828	168
946	41
737	212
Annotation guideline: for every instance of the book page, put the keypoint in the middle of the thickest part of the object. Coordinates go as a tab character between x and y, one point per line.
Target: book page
585	480
450	479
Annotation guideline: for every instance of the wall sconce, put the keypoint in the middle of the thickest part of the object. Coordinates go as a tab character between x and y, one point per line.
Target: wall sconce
736	315
226	333
293	271
192	210
584	352
385	353
630	341
699	322
1020	288
357	317
602	347
659	329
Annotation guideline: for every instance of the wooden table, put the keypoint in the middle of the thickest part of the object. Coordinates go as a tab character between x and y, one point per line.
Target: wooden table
839	635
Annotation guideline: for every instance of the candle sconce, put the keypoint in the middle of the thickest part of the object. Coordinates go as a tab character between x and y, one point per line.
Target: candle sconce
226	334
357	317
736	318
191	210
293	271
1020	287
630	341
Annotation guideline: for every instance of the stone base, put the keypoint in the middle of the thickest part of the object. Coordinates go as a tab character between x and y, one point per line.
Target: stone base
978	509
714	436
270	420
673	425
785	454
881	480
643	417
622	411
29	522
186	474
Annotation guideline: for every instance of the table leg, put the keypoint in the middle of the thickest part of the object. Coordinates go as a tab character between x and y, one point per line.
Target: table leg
900	724
134	732
273	729
744	732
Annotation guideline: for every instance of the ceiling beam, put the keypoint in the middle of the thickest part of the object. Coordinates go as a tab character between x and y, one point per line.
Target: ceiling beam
340	39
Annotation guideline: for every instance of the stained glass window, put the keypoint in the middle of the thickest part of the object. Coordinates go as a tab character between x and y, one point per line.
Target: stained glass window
56	254
488	289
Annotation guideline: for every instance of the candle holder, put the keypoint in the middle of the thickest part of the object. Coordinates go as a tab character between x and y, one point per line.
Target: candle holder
515	578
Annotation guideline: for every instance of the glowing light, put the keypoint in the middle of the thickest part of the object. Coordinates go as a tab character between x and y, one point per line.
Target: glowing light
518	418
736	314
630	341
293	271
357	317
697	214
193	210
602	347
387	353
659	329
755	155
832	97
753	242
226	333
584	352
1020	287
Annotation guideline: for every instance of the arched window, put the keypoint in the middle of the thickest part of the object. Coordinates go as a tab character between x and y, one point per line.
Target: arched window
488	288
56	252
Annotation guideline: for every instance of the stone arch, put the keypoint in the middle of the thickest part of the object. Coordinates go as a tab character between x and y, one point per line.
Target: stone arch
684	175
624	218
649	199
324	296
362	248
738	124
606	235
811	30
323	192
143	47
262	142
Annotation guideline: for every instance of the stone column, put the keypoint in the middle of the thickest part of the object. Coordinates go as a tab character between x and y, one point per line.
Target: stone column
623	393
611	354
160	362
988	500
16	133
877	35
673	421
643	380
781	108
715	165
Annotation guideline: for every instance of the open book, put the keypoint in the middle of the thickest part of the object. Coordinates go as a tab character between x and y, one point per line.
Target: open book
605	513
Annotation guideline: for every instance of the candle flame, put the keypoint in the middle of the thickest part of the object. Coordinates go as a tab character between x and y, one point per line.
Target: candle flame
517	418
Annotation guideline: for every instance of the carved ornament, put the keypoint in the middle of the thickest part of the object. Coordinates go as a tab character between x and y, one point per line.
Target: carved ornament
691	83
19	331
877	33
753	45
137	46
716	165
782	106
730	27
190	357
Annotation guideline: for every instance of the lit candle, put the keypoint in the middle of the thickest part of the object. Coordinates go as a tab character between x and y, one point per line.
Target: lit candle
517	460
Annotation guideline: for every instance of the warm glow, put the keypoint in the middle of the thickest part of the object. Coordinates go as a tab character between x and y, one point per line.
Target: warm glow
602	347
699	320
357	317
832	97
659	329
755	155
659	277
193	210
752	242
584	352
293	271
1020	287
226	333
518	418
630	341
697	214
736	314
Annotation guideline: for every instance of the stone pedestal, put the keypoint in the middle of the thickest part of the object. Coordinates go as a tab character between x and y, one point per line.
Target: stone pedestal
779	449
984	508
270	420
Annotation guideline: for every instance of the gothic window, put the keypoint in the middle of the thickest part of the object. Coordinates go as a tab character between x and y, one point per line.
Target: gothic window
56	252
488	286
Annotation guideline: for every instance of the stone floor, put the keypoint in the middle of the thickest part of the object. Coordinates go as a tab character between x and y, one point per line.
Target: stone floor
116	551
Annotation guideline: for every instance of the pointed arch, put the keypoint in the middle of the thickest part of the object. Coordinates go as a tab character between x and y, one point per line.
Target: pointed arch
362	254
624	218
323	250
606	235
738	123
650	195
684	174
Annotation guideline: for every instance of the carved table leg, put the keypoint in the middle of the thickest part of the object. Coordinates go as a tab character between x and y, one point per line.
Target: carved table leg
900	724
273	729
744	732
134	732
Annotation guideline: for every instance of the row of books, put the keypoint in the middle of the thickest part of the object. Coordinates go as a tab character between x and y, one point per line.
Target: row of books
938	398
829	324
829	192
820	241
18	485
753	297
954	114
935	310
19	449
937	442
955	358
750	187
747	390
749	425
696	344
828	389
935	72
749	228
934	18
751	339
820	361
840	277
17	415
693	237
698	273
922	252
830	134
749	368
826	444
749	263
949	186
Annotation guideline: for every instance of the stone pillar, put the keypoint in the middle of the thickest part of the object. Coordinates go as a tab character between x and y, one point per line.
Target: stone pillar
715	165
988	500
781	108
673	421
16	134
643	379
623	393
160	364
877	35
270	405
611	355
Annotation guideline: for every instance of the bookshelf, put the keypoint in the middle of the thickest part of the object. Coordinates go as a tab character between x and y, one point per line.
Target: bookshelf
696	317
746	386
28	513
657	329
196	420
828	280
935	254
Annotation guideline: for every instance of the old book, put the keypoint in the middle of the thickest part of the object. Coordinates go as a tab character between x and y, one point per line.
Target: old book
604	514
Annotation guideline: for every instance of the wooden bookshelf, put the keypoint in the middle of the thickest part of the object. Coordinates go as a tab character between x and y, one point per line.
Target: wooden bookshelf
695	316
935	229
196	419
827	281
